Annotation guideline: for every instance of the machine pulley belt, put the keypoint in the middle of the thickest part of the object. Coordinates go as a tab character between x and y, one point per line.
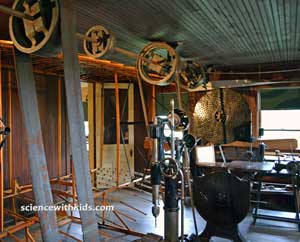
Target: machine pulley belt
35	147
76	119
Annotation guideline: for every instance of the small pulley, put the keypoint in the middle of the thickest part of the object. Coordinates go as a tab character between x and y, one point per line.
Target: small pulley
157	63
192	76
181	120
38	28
189	141
98	41
169	167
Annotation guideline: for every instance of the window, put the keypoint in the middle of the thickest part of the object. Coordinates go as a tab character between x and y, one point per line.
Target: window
280	114
281	124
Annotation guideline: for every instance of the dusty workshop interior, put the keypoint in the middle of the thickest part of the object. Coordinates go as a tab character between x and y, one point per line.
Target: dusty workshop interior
162	120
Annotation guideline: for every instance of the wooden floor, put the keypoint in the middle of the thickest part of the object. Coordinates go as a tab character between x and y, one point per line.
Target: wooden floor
264	231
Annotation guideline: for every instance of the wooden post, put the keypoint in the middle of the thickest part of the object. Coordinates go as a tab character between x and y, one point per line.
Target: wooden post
59	161
91	120
9	124
98	127
252	100
142	96
9	140
117	128
92	123
73	189
1	161
153	108
102	126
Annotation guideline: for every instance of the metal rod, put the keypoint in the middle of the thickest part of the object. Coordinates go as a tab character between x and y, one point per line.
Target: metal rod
84	37
120	50
134	55
172	129
15	13
182	204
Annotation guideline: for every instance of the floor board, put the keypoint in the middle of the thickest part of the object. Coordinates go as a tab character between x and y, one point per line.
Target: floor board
264	231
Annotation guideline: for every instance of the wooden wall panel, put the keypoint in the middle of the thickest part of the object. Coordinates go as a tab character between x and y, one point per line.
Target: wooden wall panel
47	87
140	154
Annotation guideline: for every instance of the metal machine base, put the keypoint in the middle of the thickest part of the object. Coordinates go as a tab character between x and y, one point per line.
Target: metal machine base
229	232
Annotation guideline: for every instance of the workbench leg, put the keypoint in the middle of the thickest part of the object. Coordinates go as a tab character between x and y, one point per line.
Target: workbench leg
296	199
257	200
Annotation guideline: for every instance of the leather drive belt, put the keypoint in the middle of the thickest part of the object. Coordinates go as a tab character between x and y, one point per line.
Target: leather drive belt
76	119
35	147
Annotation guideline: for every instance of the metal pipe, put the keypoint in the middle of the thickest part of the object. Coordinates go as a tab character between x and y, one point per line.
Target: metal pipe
134	55
15	13
182	203
172	129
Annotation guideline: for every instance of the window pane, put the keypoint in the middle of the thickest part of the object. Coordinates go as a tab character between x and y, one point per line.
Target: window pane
283	98
110	116
280	119
163	102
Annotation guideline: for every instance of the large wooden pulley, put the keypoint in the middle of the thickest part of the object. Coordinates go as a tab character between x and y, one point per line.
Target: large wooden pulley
98	41
181	120
192	76
38	30
157	63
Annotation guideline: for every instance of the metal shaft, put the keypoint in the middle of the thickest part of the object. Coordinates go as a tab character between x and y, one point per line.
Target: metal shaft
120	50
14	12
172	129
182	203
135	55
18	14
